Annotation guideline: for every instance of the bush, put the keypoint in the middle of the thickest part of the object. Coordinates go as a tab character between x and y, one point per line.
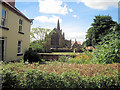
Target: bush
32	56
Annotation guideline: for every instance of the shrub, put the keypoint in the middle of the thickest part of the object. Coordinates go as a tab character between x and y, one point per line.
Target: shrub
10	80
32	56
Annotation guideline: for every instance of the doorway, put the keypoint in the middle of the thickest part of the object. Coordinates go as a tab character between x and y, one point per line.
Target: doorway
2	49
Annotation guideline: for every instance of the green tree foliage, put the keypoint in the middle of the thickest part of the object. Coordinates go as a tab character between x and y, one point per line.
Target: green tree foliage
38	33
38	38
108	51
99	29
37	46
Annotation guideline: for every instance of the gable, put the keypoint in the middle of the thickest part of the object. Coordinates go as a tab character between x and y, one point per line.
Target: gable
14	10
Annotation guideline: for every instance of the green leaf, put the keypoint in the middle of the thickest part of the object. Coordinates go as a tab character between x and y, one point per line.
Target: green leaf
116	50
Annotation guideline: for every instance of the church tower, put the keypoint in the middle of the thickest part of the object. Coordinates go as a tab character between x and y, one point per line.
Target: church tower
58	25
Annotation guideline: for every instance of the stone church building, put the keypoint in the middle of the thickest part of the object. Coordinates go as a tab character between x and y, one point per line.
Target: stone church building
56	40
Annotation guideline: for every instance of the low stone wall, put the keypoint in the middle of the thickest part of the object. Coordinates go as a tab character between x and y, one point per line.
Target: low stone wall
61	50
48	56
64	50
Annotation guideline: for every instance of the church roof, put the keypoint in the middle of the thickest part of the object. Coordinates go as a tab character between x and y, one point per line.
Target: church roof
58	25
72	42
79	42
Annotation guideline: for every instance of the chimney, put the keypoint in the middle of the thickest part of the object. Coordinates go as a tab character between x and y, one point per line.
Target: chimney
12	2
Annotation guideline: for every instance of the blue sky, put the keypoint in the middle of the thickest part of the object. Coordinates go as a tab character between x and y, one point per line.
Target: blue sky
75	16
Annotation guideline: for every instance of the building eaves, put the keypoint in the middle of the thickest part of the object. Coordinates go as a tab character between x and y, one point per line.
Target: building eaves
15	10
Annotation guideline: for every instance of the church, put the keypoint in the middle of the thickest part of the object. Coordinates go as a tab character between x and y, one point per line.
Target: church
56	40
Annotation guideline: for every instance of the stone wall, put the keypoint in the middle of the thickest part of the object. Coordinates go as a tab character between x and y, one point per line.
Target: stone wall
48	56
61	50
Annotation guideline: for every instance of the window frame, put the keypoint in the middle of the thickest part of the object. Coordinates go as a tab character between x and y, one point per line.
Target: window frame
4	18
20	25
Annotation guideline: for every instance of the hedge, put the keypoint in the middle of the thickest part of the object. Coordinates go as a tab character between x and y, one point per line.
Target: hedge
37	79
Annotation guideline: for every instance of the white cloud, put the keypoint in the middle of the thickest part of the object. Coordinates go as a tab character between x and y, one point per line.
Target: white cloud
52	7
55	6
74	32
75	16
48	19
100	4
70	10
79	36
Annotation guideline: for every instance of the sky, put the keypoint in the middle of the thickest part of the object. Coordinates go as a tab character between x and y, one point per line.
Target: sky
75	16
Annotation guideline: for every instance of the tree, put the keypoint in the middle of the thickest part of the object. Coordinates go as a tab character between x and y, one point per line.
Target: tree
37	36
38	33
41	39
99	29
109	49
37	47
83	44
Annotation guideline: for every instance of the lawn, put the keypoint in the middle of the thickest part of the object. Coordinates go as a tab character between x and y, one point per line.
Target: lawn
66	53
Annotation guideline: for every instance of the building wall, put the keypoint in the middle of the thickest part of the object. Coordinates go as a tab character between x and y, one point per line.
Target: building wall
12	36
61	40
57	40
77	46
68	43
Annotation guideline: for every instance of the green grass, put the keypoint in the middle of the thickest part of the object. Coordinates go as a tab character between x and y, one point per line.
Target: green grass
65	53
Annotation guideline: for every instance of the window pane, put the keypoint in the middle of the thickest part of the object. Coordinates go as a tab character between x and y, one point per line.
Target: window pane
3	19
3	22
20	28
19	43
3	13
20	21
19	49
19	46
20	25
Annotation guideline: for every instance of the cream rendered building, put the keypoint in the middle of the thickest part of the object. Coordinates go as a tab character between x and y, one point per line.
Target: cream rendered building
14	32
